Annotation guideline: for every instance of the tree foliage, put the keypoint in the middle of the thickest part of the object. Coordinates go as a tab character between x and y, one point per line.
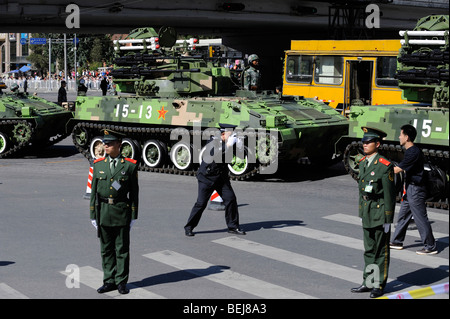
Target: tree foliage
92	51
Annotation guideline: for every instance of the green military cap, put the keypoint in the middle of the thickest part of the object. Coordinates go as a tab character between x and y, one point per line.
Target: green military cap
371	133
109	136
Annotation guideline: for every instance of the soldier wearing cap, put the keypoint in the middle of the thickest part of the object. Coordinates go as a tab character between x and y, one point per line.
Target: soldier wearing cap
113	209
213	175
376	209
252	75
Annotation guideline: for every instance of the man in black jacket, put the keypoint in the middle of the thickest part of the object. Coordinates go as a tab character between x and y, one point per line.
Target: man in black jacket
213	175
413	204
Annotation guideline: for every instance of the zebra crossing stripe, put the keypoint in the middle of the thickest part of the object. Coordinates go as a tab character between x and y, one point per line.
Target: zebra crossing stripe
93	278
354	220
6	292
405	255
225	277
317	265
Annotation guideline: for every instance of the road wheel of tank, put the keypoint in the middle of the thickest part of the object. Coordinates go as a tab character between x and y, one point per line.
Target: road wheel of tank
240	166
154	153
3	143
80	136
181	156
353	153
21	132
436	182
96	148
130	148
267	147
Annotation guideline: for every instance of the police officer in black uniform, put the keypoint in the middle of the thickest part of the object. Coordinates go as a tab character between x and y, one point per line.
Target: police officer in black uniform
213	175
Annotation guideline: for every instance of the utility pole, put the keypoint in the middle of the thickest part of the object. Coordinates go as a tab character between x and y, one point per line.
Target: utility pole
65	59
49	59
75	52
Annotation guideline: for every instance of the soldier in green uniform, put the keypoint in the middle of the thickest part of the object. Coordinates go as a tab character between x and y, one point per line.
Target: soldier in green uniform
113	209
251	74
376	209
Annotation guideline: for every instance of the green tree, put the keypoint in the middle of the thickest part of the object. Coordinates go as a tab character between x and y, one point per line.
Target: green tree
91	49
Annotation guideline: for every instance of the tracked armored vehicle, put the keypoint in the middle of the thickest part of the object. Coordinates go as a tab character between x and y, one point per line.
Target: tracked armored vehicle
170	94
29	120
423	75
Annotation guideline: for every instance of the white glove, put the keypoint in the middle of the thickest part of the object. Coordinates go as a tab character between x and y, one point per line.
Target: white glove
231	140
94	223
387	227
132	222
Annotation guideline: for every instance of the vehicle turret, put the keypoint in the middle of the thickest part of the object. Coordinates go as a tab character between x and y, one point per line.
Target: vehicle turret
423	62
156	64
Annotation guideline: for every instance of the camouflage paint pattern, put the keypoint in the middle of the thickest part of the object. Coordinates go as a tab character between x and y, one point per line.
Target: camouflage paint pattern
304	125
432	124
29	119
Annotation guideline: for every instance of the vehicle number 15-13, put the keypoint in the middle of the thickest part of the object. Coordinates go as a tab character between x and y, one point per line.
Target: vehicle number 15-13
125	110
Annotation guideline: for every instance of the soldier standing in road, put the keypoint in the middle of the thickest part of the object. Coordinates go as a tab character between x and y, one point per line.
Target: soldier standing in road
376	208
104	86
25	85
413	203
62	94
82	89
252	75
113	209
213	175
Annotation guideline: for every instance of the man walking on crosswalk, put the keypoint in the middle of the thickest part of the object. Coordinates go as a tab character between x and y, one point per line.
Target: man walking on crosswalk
376	209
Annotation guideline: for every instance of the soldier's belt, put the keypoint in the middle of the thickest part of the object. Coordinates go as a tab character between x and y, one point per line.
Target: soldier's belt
371	197
111	201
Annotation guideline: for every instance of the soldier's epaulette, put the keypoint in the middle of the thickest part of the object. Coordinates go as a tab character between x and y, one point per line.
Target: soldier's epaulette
99	159
362	159
131	160
384	161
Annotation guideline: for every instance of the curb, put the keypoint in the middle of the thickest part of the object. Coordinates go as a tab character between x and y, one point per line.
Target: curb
420	293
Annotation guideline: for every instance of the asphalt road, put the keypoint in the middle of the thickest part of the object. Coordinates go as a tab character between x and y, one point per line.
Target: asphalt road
303	240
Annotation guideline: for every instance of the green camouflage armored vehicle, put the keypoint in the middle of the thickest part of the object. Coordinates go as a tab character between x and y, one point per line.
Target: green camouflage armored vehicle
29	120
423	75
172	95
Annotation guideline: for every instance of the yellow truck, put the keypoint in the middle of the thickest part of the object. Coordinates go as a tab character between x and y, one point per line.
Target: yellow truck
343	72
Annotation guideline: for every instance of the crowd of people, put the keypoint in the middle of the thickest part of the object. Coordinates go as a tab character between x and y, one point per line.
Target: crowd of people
37	82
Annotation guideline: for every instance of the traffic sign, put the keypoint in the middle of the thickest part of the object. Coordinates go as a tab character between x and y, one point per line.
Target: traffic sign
38	41
23	41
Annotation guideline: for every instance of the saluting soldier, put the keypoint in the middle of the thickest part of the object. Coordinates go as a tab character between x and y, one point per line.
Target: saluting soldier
113	209
376	209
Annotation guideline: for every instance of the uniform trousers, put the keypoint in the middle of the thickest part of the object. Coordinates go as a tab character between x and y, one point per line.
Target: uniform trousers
413	205
224	189
115	252
376	256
